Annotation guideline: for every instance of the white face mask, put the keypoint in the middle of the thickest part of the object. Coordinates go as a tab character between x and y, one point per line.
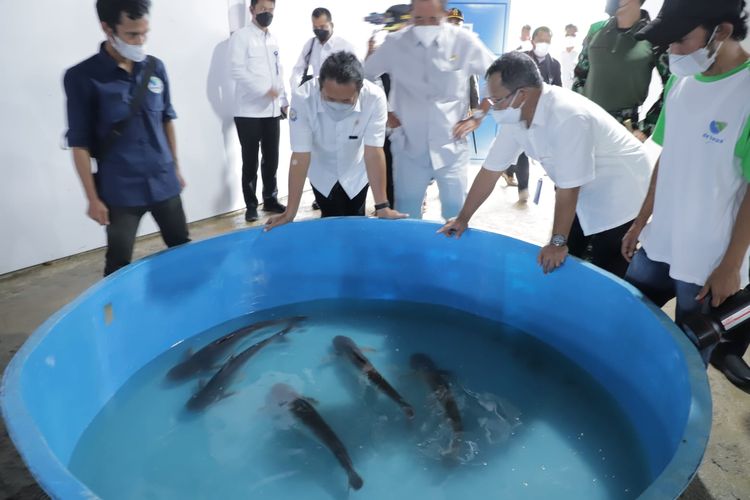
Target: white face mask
696	62
426	34
541	50
136	53
338	110
570	42
508	115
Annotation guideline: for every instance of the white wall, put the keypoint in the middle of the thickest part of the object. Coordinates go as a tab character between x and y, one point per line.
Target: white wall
42	207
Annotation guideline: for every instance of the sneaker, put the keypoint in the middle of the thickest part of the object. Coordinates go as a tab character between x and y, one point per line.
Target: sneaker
251	215
509	180
523	195
273	206
315	205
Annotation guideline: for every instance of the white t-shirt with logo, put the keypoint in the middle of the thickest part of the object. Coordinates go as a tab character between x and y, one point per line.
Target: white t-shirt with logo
580	145
703	173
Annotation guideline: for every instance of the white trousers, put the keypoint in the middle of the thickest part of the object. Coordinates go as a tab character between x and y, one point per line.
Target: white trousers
412	176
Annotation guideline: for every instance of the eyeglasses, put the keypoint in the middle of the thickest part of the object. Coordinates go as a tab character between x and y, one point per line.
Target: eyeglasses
496	103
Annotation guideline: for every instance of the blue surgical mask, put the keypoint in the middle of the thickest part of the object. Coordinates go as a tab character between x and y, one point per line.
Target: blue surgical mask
338	110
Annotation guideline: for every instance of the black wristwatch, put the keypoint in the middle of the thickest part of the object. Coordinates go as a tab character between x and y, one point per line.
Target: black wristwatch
381	206
558	240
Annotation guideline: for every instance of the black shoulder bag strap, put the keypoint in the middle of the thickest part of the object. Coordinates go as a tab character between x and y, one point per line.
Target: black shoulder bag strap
135	105
307	77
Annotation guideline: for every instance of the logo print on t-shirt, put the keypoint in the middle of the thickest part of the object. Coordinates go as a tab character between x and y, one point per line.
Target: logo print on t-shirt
155	85
717	127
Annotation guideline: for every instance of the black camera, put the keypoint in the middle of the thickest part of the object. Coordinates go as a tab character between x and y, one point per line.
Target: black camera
711	326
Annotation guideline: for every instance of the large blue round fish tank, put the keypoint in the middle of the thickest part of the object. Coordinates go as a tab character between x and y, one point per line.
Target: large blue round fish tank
74	363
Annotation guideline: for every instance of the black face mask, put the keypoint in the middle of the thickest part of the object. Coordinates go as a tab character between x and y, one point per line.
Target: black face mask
322	35
264	19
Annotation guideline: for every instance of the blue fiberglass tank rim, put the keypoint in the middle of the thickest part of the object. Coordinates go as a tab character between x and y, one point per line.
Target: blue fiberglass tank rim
241	271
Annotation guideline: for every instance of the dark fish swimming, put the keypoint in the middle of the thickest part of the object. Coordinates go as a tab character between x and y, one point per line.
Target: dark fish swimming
300	407
441	390
209	357
346	347
216	388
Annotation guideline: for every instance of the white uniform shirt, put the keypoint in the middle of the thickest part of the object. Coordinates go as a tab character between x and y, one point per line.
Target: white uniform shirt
320	53
337	148
256	67
568	63
429	89
705	131
580	145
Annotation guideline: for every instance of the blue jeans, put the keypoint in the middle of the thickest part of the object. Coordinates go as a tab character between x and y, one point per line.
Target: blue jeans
653	280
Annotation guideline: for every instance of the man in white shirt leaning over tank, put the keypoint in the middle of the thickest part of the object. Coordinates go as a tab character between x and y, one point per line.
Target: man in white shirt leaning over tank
600	169
696	245
337	127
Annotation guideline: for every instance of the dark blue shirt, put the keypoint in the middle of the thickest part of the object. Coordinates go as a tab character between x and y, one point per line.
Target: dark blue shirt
139	169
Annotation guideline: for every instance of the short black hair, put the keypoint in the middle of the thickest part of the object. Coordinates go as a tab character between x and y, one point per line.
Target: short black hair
738	21
253	3
342	67
109	11
526	27
322	11
444	3
571	27
517	70
541	29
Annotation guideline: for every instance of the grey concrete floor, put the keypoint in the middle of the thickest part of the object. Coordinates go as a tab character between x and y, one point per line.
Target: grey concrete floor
28	297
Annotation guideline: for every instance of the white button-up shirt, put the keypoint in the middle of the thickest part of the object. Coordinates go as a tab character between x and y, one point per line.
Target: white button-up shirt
320	53
580	145
337	148
429	89
256	67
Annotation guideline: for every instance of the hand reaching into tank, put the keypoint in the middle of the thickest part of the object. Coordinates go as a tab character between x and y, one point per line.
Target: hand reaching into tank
454	228
552	257
278	220
389	213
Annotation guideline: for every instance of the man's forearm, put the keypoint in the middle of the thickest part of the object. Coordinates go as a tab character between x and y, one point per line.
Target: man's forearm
375	165
82	161
737	251
169	131
566	201
648	204
299	165
481	189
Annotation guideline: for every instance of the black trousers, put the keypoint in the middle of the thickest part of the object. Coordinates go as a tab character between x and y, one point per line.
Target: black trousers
263	132
521	169
123	226
603	249
338	203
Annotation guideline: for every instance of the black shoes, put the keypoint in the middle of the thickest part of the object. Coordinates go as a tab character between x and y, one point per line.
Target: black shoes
273	206
315	205
728	361
251	215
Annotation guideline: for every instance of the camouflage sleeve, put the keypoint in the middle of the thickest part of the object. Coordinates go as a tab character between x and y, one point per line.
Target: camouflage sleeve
652	117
